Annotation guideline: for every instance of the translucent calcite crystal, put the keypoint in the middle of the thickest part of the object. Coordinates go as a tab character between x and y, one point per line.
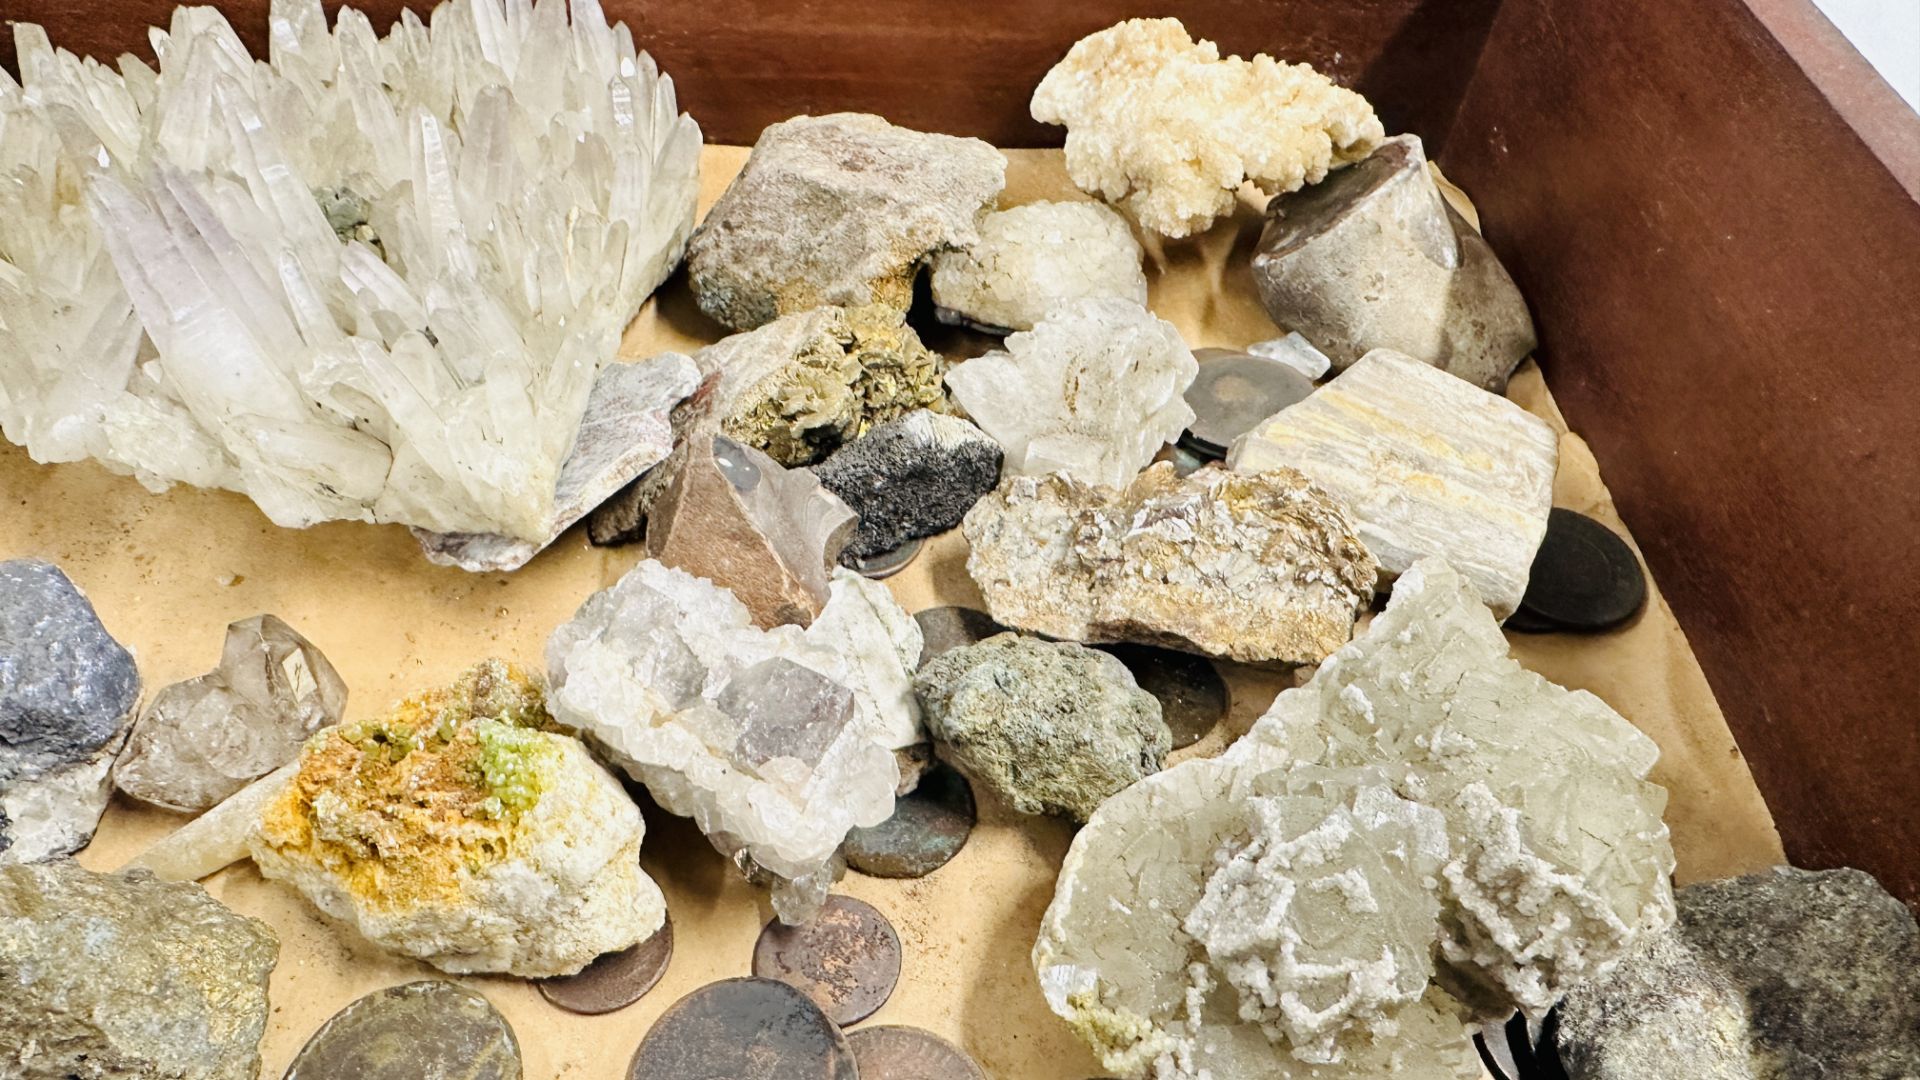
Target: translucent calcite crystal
378	275
457	830
1031	259
1161	126
775	742
1094	391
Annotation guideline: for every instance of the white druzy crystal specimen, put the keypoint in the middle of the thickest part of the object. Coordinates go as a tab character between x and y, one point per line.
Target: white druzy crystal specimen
1094	391
1163	127
1031	259
378	276
775	742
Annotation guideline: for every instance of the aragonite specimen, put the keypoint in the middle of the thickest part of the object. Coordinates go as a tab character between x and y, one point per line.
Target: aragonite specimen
775	742
123	977
1252	567
377	276
204	739
1051	727
838	210
909	478
1162	127
1031	259
1427	464
1094	391
458	830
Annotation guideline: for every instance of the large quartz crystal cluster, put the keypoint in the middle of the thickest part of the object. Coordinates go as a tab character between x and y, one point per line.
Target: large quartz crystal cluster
775	742
377	276
1163	127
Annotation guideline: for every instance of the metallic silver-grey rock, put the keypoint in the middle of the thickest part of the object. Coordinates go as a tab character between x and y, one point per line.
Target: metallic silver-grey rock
910	478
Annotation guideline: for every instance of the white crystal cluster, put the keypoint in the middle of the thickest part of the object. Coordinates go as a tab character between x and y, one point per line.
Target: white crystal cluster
775	742
1093	391
377	276
1031	259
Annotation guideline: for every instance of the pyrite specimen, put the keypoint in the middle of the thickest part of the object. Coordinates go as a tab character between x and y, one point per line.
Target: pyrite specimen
1249	566
732	515
1031	259
1092	391
1051	727
67	694
122	977
457	831
838	210
1372	257
775	742
909	478
1161	126
204	739
1427	464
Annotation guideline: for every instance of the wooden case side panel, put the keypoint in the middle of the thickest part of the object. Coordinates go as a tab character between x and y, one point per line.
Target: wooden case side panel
1727	280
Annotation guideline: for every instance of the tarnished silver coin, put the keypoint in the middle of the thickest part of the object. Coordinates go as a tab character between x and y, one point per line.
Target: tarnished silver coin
944	628
888	563
847	959
1193	696
430	1028
929	826
1235	391
613	981
898	1052
744	1029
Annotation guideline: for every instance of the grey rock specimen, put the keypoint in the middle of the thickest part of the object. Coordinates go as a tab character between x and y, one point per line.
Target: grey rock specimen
1426	464
67	692
111	976
1051	727
417	1031
838	209
909	478
1782	975
1372	257
203	739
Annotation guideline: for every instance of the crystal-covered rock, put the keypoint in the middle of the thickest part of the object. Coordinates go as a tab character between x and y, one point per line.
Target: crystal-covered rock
67	693
1427	464
1093	391
1253	567
1164	128
840	210
747	731
122	977
457	831
1051	727
909	478
1031	259
204	739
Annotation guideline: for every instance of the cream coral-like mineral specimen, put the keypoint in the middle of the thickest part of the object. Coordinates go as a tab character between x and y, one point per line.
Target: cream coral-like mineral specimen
459	831
1162	127
1031	259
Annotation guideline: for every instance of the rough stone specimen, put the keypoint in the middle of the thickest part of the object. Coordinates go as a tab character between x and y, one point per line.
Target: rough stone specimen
1427	464
456	831
909	478
1373	258
67	692
1776	976
622	519
732	515
838	209
376	283
1164	128
1252	567
110	976
1033	258
775	742
426	1030
1051	727
201	740
1094	391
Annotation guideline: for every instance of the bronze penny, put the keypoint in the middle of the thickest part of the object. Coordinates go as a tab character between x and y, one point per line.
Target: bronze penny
898	1052
1233	392
887	563
427	1029
847	959
1193	697
744	1029
944	628
928	828
613	981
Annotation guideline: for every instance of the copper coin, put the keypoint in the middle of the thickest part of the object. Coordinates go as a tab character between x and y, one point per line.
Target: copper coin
430	1028
887	563
1233	392
613	981
1193	697
898	1052
944	628
744	1029
847	959
928	828
1584	578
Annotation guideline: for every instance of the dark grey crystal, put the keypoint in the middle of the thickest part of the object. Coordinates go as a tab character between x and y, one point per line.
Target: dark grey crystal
912	477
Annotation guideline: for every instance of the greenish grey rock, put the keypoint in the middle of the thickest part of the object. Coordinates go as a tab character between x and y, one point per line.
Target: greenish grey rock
1052	727
426	1030
109	976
